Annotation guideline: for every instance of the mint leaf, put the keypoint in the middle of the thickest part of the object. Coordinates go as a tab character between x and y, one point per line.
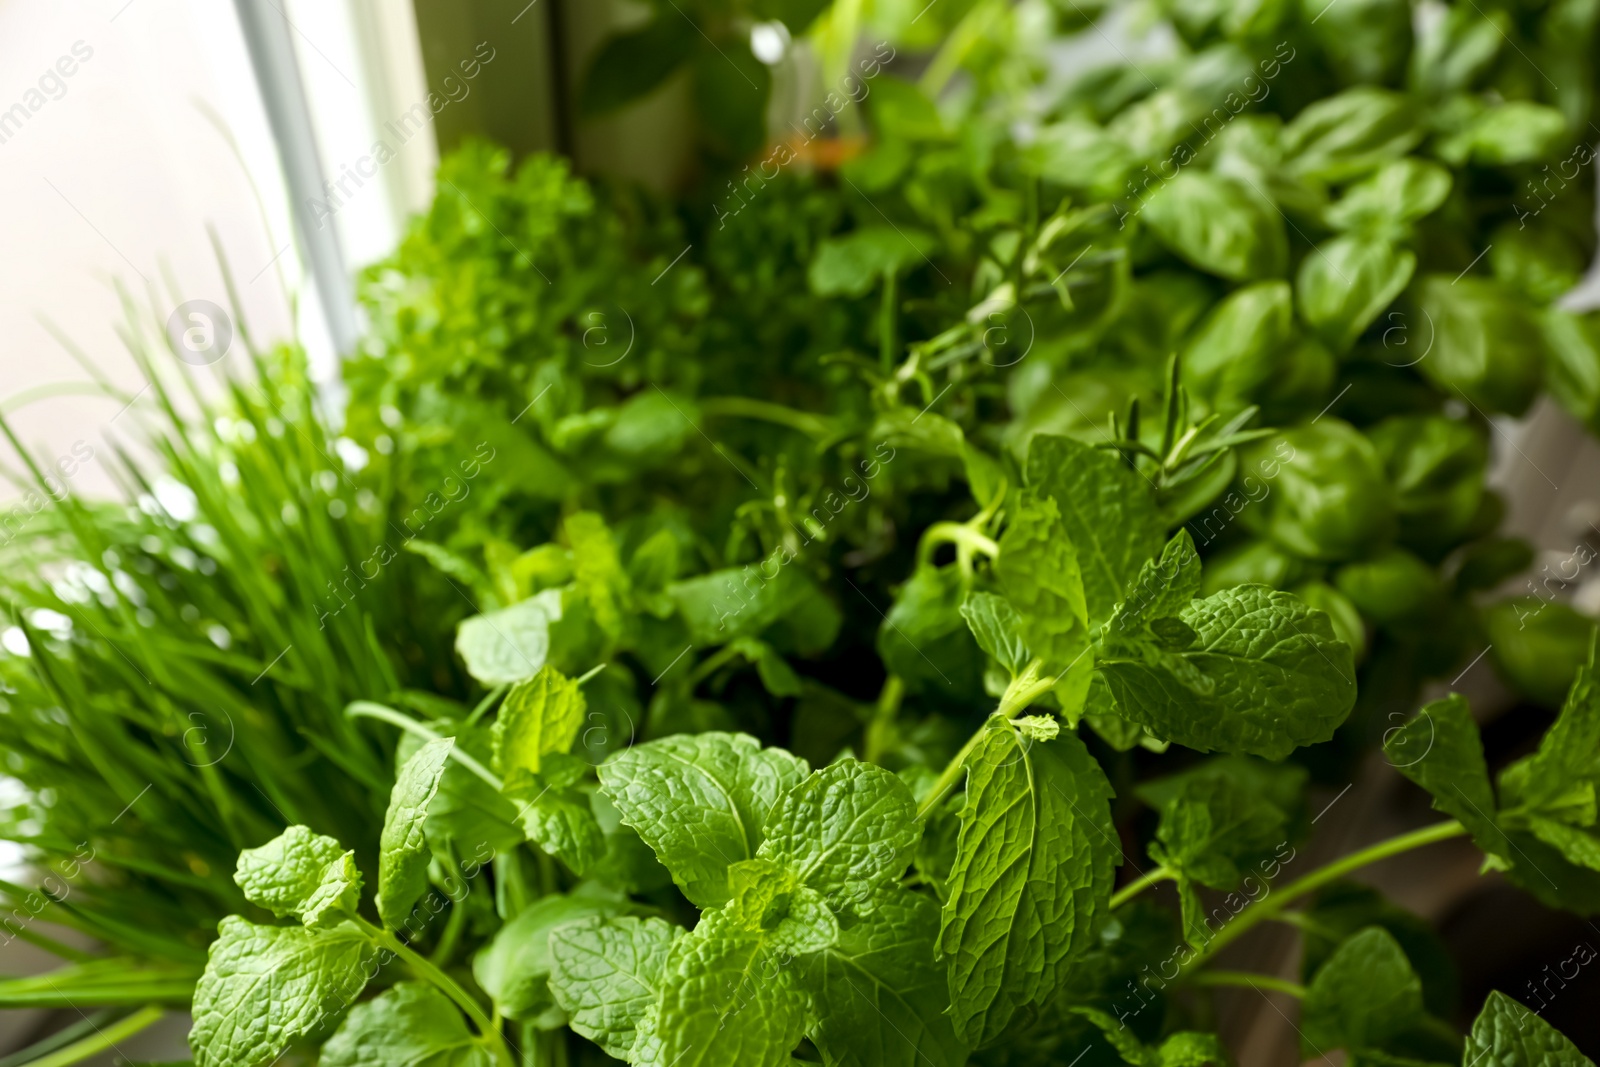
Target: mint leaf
1039	572
501	647
265	987
555	814
597	569
849	830
1568	754
744	602
998	628
515	968
538	716
700	802
1108	511
408	1025
1212	825
1506	1034
728	998
769	899
402	848
466	811
880	996
1364	994
1031	879
1440	750
607	975
923	640
1164	587
1264	675
303	874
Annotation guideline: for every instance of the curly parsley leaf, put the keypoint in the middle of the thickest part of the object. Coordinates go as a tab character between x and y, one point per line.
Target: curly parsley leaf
402	848
303	874
1031	883
700	802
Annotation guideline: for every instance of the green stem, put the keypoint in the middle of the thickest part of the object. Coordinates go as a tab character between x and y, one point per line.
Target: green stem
1022	691
1272	904
1139	885
744	407
423	968
1249	980
102	1039
964	537
878	730
367	709
486	703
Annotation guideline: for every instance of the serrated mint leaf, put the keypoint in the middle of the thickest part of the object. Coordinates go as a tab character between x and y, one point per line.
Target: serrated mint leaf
728	997
555	814
1213	826
769	899
539	716
514	968
1264	675
1032	876
1108	511
503	647
1038	727
597	568
849	830
1164	587
1506	1034
1039	572
1441	751
265	987
998	628
303	874
700	802
880	995
403	847
408	1025
606	974
466	810
1577	846
1364	994
1568	754
1189	1048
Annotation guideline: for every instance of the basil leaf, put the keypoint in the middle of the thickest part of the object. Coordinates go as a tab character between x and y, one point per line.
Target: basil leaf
1220	225
1346	136
1248	350
1328	500
1031	882
1391	198
1485	347
1346	283
700	803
